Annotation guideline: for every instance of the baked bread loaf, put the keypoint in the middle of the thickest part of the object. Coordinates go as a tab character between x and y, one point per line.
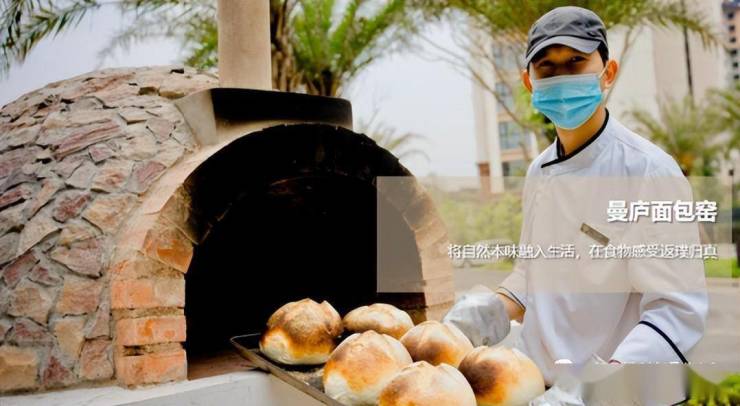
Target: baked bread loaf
501	376
301	333
422	384
436	342
380	317
361	366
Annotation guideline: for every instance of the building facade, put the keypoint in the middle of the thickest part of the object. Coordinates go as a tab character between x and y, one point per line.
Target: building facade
731	22
504	148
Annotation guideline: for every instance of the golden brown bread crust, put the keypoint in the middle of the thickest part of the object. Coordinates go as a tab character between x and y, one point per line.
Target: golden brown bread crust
421	384
362	356
380	317
487	377
500	376
305	329
437	343
361	366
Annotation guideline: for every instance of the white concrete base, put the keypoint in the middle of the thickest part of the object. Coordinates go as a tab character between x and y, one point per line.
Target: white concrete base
236	388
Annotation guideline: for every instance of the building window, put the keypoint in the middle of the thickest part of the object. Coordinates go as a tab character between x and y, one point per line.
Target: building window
733	39
734	64
504	92
736	76
498	52
733	52
732	28
511	135
730	15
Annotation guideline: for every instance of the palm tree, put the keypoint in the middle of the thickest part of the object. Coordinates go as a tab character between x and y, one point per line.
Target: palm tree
318	45
690	132
727	102
332	51
389	138
24	23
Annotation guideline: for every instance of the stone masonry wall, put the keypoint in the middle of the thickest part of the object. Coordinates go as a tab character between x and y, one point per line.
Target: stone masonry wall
98	228
75	158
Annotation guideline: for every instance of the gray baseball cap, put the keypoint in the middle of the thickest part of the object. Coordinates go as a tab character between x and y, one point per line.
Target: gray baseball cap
575	27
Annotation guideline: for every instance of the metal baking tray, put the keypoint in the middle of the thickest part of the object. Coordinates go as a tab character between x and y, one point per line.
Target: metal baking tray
307	379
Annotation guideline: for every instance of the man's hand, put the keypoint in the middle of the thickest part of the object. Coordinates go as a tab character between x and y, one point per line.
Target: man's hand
481	315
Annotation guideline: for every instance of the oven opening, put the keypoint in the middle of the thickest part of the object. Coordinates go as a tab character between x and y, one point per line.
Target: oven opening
307	234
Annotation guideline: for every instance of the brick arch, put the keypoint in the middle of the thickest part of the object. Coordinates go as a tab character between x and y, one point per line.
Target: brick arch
155	249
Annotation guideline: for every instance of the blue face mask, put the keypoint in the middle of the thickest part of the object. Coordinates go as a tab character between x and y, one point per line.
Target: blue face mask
568	100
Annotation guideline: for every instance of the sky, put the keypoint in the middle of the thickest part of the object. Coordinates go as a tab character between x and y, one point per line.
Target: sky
409	93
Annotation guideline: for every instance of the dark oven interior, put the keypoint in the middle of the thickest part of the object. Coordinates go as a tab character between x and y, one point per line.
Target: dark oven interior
287	213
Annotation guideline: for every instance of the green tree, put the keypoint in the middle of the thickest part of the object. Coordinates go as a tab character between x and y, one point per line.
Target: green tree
727	103
692	133
318	45
331	51
471	217
24	23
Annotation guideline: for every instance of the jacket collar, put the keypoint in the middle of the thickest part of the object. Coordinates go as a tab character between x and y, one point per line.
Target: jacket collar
584	155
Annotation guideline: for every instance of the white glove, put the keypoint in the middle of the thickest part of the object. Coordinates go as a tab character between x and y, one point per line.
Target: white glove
481	316
563	394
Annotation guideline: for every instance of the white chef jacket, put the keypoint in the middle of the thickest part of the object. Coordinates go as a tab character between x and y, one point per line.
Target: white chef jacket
629	310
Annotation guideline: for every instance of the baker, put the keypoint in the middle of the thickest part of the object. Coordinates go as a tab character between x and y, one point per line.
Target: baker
577	309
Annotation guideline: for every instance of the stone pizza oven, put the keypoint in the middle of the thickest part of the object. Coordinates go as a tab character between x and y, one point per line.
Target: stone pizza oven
128	245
